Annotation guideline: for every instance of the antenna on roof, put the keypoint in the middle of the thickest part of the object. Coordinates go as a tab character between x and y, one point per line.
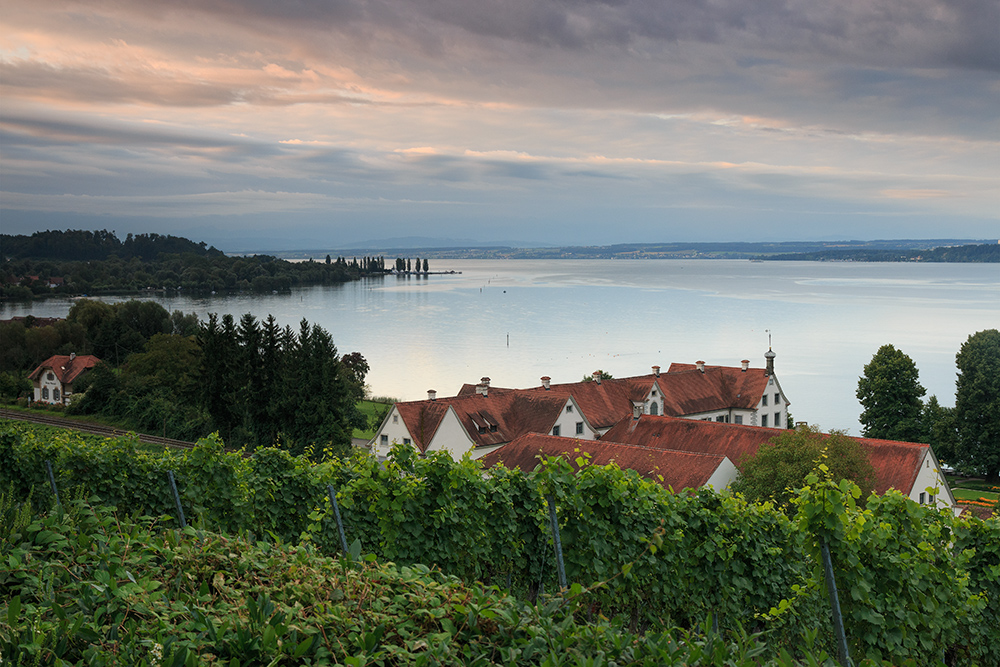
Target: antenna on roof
768	338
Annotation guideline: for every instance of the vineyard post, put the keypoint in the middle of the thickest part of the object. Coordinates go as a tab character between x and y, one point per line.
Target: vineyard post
551	500
177	498
52	481
336	515
838	621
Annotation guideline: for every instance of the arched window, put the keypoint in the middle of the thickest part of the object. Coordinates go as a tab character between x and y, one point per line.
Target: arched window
654	408
55	394
45	393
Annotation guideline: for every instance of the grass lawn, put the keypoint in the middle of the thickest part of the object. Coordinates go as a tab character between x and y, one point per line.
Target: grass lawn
973	494
375	413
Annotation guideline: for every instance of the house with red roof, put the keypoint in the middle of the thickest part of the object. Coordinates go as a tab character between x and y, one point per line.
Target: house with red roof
53	379
481	418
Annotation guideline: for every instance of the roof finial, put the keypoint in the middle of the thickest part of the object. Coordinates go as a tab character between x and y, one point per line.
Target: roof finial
768	338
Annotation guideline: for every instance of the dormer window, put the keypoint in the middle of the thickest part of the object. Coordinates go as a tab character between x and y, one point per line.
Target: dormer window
493	428
482	429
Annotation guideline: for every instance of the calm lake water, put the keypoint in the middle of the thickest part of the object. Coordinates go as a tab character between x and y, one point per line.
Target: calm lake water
517	320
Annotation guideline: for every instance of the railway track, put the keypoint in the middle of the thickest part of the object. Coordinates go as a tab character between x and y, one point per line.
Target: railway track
94	429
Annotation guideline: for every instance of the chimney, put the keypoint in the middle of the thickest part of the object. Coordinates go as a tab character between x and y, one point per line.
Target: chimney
432	395
597	376
656	371
72	356
745	364
700	365
485	381
546	382
636	410
769	357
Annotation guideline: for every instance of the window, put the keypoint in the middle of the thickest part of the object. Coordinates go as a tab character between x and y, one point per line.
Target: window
406	441
763	420
777	420
653	394
777	399
654	408
493	428
763	399
579	428
923	497
45	393
569	408
930	498
384	441
50	377
395	419
555	429
739	419
55	394
482	429
720	418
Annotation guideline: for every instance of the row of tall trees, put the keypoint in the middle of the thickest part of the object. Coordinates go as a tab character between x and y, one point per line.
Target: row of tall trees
410	266
966	436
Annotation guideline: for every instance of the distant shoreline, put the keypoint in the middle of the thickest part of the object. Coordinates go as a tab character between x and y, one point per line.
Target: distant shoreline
935	250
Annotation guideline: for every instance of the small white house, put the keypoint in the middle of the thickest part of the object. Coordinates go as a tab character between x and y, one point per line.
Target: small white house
53	379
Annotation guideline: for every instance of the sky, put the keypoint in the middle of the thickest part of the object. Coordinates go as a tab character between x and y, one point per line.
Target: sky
259	124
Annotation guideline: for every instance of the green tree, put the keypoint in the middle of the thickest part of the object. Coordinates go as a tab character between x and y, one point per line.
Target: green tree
942	432
780	466
977	403
890	392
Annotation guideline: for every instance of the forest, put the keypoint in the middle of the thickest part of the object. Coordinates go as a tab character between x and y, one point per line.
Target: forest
83	262
254	382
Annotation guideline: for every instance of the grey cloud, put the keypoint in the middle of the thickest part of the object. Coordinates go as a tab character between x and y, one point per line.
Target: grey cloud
910	33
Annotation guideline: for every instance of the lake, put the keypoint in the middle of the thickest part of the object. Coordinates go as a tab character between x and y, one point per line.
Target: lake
517	320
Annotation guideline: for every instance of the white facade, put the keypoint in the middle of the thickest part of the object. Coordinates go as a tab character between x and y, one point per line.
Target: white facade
723	476
930	477
451	437
48	388
572	424
393	431
772	409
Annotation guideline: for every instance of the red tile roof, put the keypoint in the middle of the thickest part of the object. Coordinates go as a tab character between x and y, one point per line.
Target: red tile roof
689	391
673	469
65	368
896	463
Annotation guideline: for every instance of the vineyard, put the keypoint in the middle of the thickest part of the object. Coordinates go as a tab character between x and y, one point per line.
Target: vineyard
915	583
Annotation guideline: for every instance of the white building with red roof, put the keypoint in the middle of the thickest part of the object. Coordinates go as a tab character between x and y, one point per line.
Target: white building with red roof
482	418
53	379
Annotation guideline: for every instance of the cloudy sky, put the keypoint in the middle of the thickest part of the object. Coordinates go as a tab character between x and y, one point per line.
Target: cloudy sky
331	122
